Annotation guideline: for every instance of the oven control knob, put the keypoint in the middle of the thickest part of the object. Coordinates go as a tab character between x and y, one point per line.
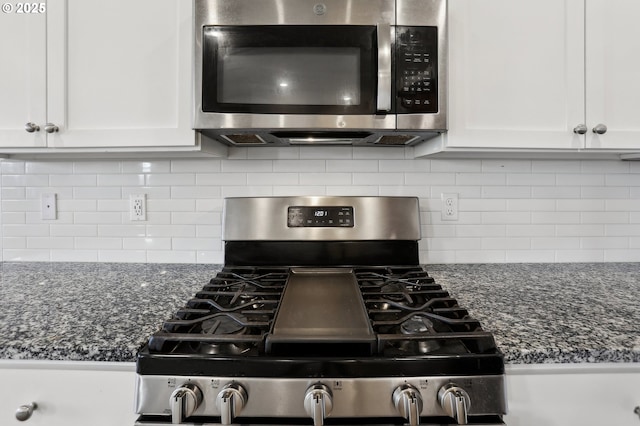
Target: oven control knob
318	403
230	401
455	401
408	402
184	401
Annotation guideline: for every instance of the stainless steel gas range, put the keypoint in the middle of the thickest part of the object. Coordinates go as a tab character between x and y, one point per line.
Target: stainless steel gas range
322	314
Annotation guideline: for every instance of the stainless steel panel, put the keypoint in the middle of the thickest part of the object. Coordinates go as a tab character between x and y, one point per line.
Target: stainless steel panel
286	121
293	12
353	397
375	218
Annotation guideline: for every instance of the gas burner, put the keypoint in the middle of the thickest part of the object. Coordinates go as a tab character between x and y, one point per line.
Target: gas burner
417	325
223	324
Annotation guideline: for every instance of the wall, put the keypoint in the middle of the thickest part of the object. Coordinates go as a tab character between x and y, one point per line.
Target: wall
510	211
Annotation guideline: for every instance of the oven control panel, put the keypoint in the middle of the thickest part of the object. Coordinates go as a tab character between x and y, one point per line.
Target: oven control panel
320	216
462	399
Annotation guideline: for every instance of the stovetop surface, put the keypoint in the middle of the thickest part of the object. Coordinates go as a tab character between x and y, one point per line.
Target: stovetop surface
243	314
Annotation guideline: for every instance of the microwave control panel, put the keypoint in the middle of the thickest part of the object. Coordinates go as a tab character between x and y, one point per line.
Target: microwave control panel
416	52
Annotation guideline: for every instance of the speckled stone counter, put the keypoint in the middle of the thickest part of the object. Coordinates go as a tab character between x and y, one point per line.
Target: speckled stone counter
539	313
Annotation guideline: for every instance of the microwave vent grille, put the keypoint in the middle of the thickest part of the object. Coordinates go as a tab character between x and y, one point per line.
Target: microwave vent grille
396	139
245	139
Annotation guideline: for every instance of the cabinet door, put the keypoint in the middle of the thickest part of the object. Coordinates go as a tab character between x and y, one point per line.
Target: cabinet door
119	73
613	73
22	77
573	397
67	396
516	73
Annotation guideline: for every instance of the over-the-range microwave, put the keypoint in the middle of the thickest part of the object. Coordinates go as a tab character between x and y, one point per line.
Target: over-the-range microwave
281	72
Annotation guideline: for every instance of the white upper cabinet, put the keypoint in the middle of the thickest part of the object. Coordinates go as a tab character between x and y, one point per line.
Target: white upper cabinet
613	73
110	75
516	73
540	75
23	78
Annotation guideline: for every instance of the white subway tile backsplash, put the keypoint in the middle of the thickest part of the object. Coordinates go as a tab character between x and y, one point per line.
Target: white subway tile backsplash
25	180
123	256
122	230
74	230
97	217
424	178
632	179
273	153
46	167
272	179
147	243
50	242
80	180
530	256
326	179
604	217
195	165
604	243
324	153
529	179
487	179
292	190
555	166
580	179
460	166
506	166
171	230
605	192
288	166
626	255
559	192
93	167
172	179
156	166
555	217
354	166
96	243
506	192
119	180
74	256
98	193
510	210
610	166
405	166
379	179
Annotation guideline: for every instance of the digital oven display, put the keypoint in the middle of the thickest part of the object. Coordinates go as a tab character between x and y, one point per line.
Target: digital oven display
320	216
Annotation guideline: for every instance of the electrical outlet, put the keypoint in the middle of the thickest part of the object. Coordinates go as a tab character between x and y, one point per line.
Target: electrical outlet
138	209
48	206
449	206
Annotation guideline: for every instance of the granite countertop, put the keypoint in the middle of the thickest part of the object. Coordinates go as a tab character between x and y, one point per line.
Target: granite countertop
539	313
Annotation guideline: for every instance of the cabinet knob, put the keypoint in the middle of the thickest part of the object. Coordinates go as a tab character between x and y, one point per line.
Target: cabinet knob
637	411
600	129
580	129
31	127
24	412
50	128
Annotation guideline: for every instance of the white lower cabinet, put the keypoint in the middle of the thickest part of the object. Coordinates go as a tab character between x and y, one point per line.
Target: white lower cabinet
68	393
573	395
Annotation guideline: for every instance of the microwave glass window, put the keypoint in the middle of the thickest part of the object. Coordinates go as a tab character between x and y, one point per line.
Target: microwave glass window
289	76
284	69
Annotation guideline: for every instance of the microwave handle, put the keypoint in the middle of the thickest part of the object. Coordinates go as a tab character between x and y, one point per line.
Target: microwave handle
384	67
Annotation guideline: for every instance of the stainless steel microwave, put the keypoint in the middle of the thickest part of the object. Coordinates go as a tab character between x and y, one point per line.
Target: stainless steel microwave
280	72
